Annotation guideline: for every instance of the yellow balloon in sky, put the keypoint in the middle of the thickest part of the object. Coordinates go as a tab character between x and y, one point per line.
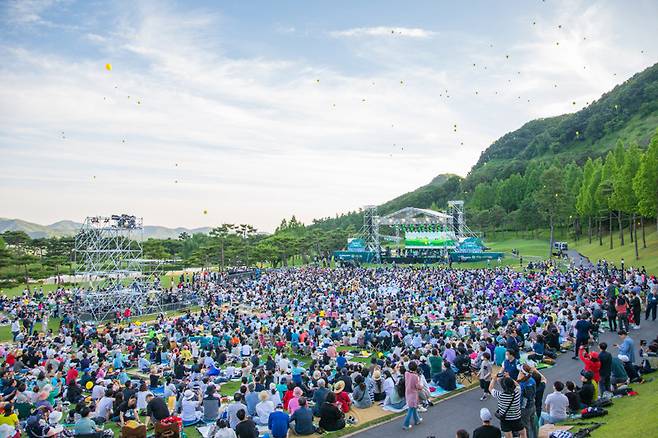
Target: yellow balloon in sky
108	67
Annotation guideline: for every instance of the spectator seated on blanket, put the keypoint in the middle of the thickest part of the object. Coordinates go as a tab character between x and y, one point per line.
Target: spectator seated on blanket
379	393
587	390
264	408
293	404
331	416
556	405
85	425
233	408
143	363
221	430
396	399
446	379
360	395
156	409
251	399
9	417
246	428
278	422
342	397
303	419
319	396
538	349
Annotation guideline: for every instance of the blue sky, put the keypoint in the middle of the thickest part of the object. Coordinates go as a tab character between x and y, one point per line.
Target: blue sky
258	110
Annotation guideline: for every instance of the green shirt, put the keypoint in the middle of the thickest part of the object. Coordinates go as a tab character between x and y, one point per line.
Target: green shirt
435	364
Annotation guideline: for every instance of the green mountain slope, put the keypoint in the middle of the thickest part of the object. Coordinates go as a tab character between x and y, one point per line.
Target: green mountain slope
628	112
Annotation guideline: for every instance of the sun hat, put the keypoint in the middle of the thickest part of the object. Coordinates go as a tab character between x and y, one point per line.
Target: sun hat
54	418
188	394
263	395
316	374
485	414
339	386
377	375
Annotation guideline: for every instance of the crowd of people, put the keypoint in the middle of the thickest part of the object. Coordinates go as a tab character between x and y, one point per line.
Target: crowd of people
307	349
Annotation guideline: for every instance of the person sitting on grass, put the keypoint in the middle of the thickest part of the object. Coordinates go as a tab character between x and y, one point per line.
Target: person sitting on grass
556	405
221	430
360	395
331	416
303	419
446	379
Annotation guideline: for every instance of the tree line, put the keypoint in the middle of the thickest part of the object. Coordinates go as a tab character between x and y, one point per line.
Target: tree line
615	193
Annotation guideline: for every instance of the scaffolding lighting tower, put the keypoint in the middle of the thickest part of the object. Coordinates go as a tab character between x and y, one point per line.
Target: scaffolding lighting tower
108	254
370	230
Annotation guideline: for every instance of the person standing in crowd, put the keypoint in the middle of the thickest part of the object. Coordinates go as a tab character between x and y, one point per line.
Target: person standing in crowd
651	303
509	406
411	388
487	430
583	327
605	359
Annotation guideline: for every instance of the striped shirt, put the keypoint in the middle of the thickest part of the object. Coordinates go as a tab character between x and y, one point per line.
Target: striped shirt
510	403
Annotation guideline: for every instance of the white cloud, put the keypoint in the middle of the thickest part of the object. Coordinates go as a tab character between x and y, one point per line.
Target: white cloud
257	138
381	31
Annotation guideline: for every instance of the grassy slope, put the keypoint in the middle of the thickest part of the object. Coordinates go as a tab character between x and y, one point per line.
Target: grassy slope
648	255
630	416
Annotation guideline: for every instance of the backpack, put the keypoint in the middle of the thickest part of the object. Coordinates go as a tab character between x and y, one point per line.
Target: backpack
602	403
593	412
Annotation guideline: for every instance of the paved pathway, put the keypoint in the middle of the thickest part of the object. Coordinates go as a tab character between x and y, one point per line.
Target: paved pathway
578	259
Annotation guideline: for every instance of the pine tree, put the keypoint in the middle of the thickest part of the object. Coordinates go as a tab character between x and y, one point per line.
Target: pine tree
645	183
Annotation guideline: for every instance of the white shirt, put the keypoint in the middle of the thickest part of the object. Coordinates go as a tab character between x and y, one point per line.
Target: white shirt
557	405
263	411
104	407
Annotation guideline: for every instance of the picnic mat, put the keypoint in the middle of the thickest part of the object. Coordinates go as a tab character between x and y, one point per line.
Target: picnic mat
438	391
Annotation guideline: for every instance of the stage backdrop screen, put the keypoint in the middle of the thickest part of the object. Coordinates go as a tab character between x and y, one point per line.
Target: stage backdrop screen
429	239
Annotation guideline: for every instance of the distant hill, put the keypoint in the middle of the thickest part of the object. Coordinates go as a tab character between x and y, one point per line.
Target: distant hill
70	228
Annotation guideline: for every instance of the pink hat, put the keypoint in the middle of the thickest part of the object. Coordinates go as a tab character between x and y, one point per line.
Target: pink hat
297	392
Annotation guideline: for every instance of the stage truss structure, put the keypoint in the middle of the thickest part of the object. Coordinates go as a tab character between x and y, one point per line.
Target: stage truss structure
454	220
109	255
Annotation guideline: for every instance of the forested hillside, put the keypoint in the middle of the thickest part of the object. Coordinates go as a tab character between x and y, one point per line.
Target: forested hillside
628	113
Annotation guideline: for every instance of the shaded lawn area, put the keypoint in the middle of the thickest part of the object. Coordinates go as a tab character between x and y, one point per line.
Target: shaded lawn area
629	416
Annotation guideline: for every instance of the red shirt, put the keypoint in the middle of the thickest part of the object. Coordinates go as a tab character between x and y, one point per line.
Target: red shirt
343	399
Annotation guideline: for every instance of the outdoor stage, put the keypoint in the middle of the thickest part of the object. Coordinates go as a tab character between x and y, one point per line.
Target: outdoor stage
415	236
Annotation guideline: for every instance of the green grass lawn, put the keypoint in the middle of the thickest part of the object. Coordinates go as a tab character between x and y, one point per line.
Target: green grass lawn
648	255
629	416
526	247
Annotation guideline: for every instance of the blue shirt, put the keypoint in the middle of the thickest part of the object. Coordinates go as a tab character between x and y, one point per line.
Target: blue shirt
510	368
341	361
278	424
628	348
252	400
